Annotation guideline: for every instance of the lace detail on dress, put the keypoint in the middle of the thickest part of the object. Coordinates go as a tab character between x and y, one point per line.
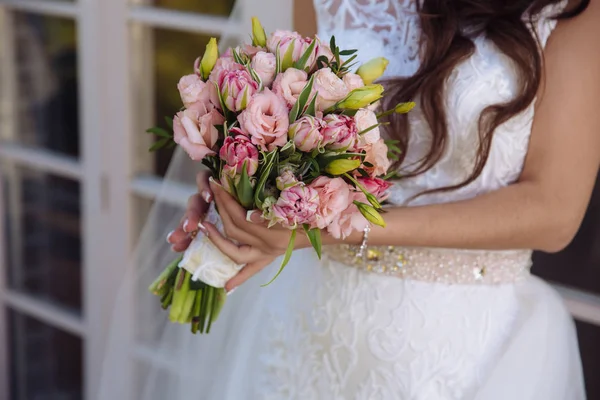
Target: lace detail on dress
368	337
390	27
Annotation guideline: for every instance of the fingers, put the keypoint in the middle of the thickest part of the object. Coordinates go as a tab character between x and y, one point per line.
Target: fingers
196	210
246	273
203	186
182	245
240	254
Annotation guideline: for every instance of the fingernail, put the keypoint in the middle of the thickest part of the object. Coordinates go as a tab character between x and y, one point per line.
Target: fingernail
169	236
229	293
249	215
207	196
185	225
173	249
202	228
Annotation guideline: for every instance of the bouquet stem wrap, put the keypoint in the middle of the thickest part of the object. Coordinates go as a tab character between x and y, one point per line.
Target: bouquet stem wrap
205	262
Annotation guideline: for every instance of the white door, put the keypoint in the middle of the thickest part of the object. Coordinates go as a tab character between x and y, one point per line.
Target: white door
80	80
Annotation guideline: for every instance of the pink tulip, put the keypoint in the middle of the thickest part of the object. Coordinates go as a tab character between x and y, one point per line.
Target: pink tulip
237	88
266	120
237	150
376	186
286	179
306	133
340	132
296	205
285	39
224	63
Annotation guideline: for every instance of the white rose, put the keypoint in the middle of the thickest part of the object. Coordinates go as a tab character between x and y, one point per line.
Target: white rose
365	119
330	88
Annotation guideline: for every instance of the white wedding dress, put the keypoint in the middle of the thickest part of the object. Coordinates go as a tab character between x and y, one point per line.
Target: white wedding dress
403	324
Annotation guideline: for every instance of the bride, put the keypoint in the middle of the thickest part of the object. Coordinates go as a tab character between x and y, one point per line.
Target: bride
500	157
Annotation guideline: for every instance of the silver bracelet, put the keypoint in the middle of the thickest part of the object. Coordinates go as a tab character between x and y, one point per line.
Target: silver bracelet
365	241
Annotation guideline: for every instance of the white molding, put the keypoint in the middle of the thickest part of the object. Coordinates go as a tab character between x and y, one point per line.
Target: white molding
45	311
583	306
182	21
46	7
44	160
151	187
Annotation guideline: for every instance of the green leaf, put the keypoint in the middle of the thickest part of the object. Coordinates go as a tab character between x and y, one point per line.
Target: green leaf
237	58
301	63
169	121
244	189
288	57
160	144
322	62
332	43
347	52
209	307
256	78
221	99
369	129
312	107
286	258
277	60
314	236
302	100
269	161
159	132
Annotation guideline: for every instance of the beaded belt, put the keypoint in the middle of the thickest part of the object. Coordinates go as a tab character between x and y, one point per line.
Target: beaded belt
450	266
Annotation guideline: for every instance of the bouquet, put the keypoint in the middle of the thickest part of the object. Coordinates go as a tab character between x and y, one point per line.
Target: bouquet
287	129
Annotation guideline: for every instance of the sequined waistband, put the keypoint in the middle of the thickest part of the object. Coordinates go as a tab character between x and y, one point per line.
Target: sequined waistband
450	266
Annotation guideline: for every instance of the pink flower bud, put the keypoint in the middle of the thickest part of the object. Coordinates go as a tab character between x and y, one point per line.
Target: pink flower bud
340	132
237	88
237	150
296	205
376	186
306	133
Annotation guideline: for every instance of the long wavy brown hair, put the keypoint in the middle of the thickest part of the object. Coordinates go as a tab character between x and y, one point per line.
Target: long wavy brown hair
448	29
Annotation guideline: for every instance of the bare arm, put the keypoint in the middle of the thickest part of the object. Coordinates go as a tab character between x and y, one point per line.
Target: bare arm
544	209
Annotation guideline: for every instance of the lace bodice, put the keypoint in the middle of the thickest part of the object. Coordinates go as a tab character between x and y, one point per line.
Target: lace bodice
390	28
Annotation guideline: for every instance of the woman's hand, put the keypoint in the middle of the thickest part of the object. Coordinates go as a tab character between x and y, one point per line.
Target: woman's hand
248	243
197	207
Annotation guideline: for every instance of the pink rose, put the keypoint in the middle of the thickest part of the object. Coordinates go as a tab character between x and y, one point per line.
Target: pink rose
287	179
290	84
364	120
376	186
192	90
334	198
330	88
350	220
353	81
237	150
266	120
377	157
237	87
265	65
306	133
339	133
285	39
194	130
296	205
